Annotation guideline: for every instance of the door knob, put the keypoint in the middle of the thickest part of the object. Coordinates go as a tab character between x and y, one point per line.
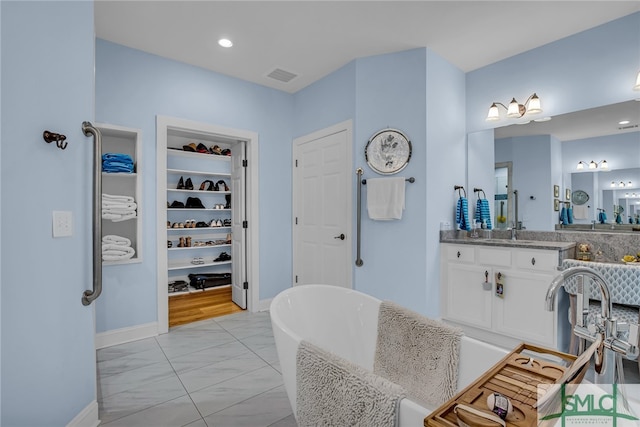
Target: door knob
341	236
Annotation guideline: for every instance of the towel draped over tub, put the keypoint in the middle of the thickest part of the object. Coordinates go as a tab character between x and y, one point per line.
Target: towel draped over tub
415	357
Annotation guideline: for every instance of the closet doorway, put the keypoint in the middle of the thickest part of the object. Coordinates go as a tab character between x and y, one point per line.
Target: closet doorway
207	192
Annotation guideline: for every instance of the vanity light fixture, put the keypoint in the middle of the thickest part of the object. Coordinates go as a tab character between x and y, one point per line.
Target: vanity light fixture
602	165
516	110
637	86
613	184
621	185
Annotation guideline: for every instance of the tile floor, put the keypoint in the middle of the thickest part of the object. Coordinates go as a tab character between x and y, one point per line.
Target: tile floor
222	372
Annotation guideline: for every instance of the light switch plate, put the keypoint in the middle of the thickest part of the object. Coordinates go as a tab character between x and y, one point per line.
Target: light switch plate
62	223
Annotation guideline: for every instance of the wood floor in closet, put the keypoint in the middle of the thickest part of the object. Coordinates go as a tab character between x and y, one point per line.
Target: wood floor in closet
189	308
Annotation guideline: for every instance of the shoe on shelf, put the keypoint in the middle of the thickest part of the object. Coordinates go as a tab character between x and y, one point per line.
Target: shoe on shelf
169	244
168	224
227	223
194	202
222	257
216	150
222	186
188	241
201	224
181	244
201	148
228	241
190	147
188	185
218	223
210	187
227	197
180	184
226	152
176	204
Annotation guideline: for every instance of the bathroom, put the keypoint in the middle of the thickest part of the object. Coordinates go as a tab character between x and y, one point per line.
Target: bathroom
411	259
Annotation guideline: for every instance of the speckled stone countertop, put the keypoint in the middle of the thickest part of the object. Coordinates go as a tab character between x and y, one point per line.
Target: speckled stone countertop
604	246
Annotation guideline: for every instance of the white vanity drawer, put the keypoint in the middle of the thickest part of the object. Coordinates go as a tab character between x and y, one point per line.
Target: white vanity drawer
462	253
536	260
499	257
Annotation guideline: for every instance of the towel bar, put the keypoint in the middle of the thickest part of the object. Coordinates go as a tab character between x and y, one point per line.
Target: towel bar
411	180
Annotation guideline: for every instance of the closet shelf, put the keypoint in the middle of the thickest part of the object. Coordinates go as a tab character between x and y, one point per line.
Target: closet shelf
198	229
198	209
199	173
191	154
199	247
195	291
181	265
197	191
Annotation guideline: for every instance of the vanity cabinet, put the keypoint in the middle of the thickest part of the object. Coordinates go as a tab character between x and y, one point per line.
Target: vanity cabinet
497	294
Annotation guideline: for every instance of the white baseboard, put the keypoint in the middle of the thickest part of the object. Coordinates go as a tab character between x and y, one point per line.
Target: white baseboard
88	417
264	304
124	335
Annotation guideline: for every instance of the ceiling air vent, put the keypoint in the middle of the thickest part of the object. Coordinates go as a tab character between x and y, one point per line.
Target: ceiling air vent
628	127
282	75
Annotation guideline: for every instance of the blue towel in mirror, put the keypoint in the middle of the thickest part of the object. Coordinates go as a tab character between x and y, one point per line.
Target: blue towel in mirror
564	220
483	212
570	215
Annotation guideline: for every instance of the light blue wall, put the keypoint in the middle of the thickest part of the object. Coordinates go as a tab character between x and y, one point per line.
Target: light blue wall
421	94
593	68
132	87
48	351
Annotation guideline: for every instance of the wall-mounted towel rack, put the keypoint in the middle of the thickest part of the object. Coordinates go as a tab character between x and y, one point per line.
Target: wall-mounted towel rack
58	138
458	188
480	190
410	179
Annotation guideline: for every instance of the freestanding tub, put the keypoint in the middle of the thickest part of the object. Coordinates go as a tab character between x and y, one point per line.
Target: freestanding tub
344	322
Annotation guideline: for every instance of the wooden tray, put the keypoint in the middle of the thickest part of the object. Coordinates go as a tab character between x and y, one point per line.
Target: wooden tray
515	376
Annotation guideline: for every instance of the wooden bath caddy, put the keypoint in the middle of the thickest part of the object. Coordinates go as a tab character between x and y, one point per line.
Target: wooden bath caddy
516	376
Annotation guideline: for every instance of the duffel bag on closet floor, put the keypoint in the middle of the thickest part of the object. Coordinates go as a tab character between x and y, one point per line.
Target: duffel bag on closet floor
209	280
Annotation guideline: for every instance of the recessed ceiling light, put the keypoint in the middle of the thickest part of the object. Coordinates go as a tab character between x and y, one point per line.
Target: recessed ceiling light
624	122
225	42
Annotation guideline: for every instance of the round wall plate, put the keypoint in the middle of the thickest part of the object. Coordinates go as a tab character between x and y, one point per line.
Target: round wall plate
579	197
388	151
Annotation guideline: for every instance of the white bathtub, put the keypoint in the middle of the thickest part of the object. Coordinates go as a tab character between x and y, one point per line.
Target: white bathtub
344	322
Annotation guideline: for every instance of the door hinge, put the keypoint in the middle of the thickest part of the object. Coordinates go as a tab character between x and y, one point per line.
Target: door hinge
245	224
296	220
296	278
245	285
296	162
245	163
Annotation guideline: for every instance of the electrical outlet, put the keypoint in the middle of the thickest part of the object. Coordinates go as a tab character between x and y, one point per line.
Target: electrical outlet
62	224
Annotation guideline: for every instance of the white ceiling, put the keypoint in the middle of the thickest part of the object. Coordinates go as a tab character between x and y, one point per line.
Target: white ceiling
314	38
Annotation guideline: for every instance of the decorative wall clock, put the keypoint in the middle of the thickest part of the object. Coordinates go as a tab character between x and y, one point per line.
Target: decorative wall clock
388	151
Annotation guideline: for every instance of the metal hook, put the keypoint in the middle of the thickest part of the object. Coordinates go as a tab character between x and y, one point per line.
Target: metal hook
480	190
59	139
460	187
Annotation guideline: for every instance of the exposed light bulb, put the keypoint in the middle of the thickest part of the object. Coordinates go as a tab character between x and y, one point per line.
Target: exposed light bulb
225	42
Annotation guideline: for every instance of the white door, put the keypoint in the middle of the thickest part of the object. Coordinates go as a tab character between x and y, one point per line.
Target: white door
238	231
322	185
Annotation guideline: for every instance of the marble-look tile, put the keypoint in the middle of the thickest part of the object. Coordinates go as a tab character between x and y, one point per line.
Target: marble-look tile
289	421
189	341
199	359
239	320
140	398
127	380
259	411
126	349
224	370
260	329
228	393
131	362
199	423
176	412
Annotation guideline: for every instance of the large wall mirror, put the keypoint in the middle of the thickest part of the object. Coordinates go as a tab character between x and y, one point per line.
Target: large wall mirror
545	176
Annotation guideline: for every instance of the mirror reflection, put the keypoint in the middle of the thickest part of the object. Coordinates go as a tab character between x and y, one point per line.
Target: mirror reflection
577	170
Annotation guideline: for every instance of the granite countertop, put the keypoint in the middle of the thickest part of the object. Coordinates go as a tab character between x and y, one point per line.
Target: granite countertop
527	244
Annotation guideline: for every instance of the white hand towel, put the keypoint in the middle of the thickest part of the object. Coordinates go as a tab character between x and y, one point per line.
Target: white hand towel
385	198
580	212
112	239
118	198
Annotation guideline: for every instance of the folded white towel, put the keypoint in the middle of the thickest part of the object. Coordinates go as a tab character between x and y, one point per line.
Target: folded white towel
116	252
128	205
115	210
580	212
116	217
112	239
115	197
385	198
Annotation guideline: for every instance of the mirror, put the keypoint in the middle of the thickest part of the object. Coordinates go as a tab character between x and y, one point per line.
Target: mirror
545	154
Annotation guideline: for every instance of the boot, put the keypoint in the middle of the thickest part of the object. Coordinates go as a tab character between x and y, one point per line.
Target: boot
228	197
181	244
180	184
188	243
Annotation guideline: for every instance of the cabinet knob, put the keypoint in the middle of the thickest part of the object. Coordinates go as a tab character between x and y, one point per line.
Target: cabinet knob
533	261
459	254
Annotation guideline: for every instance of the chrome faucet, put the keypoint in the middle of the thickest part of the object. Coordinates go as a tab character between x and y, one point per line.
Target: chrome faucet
513	231
593	224
606	327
